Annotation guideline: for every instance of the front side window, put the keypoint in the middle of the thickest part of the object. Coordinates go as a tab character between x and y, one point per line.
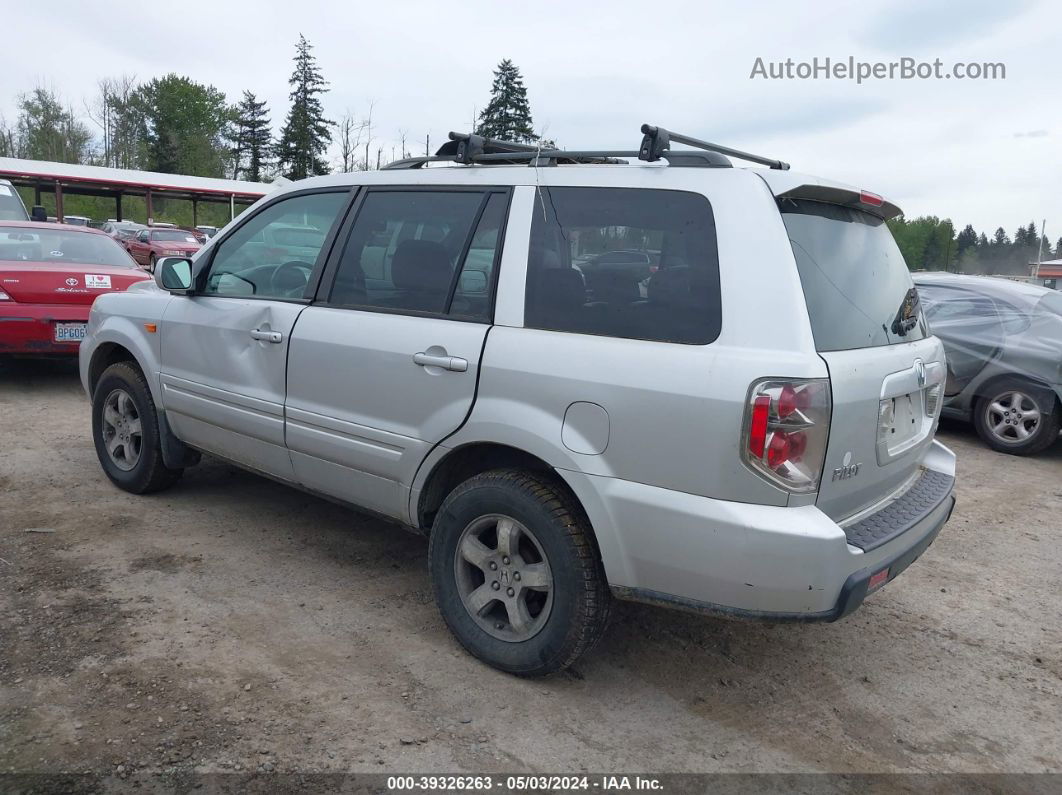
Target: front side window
422	251
263	257
624	262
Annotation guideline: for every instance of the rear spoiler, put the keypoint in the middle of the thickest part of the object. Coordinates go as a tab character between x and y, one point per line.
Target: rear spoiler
846	197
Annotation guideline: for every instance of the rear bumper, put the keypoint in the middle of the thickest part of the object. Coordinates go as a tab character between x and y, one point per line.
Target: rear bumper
30	328
755	561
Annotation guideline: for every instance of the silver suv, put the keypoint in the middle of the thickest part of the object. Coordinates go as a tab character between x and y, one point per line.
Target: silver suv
736	415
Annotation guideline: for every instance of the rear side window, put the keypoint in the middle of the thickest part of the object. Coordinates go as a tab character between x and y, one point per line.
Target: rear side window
624	262
11	207
422	251
854	277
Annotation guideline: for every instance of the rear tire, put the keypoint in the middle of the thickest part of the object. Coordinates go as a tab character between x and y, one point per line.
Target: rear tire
538	582
1017	417
125	430
152	262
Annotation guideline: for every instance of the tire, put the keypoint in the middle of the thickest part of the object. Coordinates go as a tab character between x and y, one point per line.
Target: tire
152	262
122	404
1003	417
562	621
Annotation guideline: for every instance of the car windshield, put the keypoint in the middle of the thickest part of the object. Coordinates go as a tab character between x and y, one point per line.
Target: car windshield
58	246
173	236
856	284
11	208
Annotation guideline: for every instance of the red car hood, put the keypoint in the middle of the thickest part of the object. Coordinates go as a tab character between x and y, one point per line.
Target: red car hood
39	283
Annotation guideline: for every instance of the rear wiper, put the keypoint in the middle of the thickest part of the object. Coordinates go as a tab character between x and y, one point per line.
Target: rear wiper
907	315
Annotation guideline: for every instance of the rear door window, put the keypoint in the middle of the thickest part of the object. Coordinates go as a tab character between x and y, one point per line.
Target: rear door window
854	277
624	262
423	251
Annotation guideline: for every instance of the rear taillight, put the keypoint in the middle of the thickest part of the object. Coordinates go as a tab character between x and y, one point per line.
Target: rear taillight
787	425
933	399
5	297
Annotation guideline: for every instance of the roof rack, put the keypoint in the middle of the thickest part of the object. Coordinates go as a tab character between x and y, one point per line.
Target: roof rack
470	149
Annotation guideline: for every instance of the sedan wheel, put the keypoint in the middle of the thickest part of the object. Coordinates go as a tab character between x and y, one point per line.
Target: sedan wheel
1017	418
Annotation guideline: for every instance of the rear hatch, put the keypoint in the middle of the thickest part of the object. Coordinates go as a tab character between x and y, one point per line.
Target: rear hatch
40	283
886	372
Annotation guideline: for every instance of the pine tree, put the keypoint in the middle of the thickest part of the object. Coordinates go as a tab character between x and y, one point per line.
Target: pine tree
306	132
967	238
982	240
252	139
507	116
1000	238
1058	248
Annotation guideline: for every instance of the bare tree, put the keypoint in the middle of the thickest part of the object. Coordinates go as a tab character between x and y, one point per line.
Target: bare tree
350	135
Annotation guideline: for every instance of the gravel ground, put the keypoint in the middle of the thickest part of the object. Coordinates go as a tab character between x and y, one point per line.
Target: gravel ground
234	624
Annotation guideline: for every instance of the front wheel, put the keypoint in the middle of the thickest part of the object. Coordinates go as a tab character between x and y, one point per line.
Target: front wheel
1018	418
516	575
125	429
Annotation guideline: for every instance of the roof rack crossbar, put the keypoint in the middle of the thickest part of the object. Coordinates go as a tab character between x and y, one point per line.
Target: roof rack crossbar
657	141
469	148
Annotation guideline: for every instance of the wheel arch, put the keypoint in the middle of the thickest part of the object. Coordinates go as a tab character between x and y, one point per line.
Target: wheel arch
450	467
984	388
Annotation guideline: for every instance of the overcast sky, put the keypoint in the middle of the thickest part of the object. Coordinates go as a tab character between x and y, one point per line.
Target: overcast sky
985	152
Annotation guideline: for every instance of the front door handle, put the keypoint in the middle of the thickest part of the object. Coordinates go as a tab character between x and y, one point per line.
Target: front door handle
266	336
455	363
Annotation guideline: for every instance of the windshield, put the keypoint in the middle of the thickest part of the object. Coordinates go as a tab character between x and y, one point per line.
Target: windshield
11	207
174	235
856	283
24	244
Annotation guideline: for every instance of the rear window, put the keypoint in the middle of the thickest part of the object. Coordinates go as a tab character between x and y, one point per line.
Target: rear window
624	262
854	277
55	246
174	235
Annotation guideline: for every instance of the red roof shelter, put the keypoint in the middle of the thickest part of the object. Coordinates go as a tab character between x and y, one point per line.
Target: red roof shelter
60	178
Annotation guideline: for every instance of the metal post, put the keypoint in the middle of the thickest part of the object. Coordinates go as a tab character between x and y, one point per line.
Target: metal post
37	194
232	206
195	212
150	209
58	202
118	206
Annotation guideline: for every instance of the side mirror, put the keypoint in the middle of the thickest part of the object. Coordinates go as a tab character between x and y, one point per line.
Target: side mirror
174	274
38	213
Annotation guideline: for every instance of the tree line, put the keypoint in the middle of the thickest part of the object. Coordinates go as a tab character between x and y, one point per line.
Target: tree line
173	124
930	243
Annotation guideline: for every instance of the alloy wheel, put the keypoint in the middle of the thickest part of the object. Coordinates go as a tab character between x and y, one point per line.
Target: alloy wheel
122	432
503	578
1012	417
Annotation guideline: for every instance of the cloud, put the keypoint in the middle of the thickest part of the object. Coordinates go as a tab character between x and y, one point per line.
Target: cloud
1032	134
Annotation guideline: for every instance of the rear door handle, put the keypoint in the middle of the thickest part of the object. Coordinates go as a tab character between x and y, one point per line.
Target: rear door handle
266	336
455	363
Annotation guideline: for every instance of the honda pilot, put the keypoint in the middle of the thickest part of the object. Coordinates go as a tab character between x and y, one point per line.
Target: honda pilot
643	375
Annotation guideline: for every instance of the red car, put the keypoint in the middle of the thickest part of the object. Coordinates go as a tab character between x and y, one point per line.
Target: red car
49	276
148	245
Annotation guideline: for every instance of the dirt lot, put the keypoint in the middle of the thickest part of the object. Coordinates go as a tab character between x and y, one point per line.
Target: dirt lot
234	624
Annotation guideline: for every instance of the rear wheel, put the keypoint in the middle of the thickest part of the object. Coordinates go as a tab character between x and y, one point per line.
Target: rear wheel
516	575
125	430
152	261
1017	417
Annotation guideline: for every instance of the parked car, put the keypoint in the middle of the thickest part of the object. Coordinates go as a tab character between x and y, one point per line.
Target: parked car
49	276
11	206
76	220
1003	341
122	231
207	231
754	438
147	245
